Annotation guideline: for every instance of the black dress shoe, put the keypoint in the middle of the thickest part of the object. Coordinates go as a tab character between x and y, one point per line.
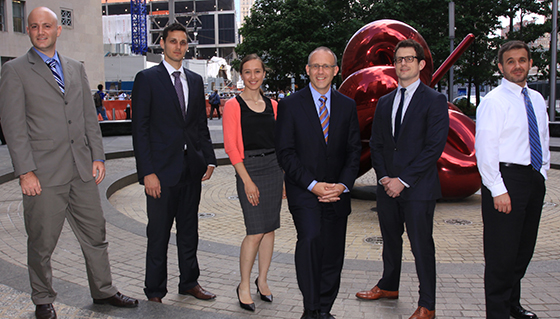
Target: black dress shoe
118	300
267	298
45	311
311	314
518	312
326	315
155	299
246	306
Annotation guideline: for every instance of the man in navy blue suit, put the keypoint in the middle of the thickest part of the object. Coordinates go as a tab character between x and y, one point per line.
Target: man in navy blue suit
318	147
173	154
408	136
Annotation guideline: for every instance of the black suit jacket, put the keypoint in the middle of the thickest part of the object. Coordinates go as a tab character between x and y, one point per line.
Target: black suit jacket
159	132
421	140
303	154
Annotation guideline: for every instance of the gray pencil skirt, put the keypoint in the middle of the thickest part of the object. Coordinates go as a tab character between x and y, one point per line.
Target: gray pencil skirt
267	175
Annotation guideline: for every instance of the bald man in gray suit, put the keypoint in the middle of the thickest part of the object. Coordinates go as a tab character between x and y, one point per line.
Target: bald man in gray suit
54	139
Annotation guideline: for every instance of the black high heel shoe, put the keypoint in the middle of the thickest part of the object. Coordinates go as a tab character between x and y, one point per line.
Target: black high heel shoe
246	306
263	297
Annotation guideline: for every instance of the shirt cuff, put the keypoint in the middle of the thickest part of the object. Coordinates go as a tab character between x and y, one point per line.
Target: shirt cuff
213	165
498	189
404	183
310	187
346	190
99	160
379	182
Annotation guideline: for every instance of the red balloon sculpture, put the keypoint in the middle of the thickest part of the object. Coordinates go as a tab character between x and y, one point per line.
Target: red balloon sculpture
369	73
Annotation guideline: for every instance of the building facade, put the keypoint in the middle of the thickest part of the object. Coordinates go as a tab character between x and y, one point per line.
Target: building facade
211	24
81	37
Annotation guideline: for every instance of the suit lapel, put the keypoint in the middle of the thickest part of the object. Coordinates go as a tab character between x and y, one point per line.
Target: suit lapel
169	88
388	110
41	68
68	73
413	105
310	110
191	85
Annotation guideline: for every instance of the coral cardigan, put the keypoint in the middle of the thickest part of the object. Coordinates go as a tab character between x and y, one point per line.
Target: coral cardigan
233	137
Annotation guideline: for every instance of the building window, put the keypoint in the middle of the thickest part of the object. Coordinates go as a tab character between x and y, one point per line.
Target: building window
2	19
66	18
18	8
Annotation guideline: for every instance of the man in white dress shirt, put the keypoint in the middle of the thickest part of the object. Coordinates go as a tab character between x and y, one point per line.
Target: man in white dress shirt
513	156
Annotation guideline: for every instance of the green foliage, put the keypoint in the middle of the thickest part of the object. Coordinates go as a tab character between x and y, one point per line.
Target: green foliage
467	107
284	32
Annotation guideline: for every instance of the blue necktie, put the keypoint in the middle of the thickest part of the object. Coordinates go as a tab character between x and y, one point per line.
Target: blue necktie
534	139
179	90
398	117
324	117
52	65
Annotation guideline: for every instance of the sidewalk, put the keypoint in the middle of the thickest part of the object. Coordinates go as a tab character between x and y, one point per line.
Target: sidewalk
457	234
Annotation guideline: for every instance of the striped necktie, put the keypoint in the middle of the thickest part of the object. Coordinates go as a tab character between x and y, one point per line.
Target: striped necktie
52	65
324	117
534	139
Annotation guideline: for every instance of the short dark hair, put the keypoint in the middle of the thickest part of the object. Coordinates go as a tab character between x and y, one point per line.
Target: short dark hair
409	43
512	45
100	87
173	27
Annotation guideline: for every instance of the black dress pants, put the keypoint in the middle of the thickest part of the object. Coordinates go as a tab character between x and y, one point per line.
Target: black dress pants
319	255
418	216
509	239
178	203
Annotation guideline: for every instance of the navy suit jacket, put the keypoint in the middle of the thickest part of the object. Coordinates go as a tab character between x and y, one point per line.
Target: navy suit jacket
421	140
303	153
159	132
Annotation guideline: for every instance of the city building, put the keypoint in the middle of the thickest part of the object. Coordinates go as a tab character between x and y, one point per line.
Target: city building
211	25
81	38
245	8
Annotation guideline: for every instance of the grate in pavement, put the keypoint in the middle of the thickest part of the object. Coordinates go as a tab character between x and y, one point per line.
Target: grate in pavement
456	221
375	240
549	204
205	215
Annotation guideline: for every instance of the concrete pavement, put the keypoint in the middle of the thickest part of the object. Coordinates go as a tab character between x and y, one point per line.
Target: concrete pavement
457	234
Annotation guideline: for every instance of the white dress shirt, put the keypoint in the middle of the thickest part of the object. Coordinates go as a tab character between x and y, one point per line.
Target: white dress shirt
407	97
170	70
502	133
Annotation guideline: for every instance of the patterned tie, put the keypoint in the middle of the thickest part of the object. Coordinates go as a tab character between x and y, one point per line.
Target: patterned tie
398	117
52	65
324	117
179	90
534	139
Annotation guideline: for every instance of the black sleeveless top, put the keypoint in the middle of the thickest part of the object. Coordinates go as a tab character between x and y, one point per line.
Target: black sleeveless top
257	128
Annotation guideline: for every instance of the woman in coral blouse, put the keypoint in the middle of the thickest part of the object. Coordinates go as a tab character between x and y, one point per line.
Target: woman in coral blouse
248	122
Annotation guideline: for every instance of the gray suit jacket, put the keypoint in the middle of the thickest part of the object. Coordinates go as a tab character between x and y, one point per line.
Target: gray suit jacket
47	131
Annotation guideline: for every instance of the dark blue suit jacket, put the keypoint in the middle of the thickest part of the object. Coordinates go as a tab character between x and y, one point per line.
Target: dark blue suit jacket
303	154
159	132
421	141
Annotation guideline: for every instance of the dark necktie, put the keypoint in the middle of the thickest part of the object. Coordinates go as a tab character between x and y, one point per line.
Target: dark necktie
52	65
179	90
324	117
534	139
398	117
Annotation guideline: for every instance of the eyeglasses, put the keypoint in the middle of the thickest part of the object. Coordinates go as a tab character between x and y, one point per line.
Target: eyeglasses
325	67
407	59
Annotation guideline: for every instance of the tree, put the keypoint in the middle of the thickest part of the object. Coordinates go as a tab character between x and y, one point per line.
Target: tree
284	32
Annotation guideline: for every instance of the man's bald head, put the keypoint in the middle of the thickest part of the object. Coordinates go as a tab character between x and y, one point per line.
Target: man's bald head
43	30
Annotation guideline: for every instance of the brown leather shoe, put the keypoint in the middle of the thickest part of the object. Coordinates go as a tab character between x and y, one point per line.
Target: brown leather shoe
377	293
118	300
45	311
199	293
155	299
423	313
